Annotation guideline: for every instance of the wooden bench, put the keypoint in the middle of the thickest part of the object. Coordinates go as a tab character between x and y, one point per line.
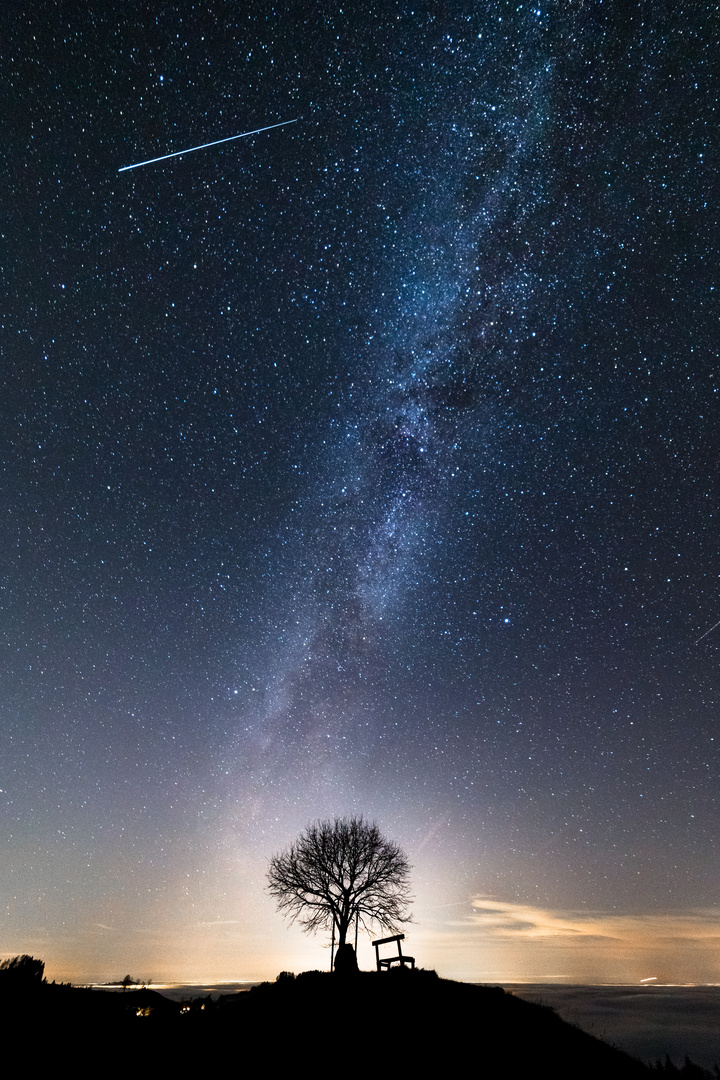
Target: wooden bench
387	961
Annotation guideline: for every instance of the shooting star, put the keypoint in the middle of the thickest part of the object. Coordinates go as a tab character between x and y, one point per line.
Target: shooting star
192	149
707	632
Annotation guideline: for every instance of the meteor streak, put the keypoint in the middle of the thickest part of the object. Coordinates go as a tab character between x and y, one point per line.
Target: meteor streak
191	149
707	632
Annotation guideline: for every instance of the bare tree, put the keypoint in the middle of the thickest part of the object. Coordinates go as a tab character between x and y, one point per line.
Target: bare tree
340	870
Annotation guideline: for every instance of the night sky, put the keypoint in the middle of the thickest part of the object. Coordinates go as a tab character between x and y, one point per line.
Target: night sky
365	465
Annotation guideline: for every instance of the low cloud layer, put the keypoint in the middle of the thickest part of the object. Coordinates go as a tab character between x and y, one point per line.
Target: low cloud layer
523	941
506	920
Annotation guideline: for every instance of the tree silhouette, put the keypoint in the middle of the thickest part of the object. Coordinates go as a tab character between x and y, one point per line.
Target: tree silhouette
22	970
340	870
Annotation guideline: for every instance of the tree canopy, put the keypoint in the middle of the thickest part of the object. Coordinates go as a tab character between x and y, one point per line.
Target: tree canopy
340	870
22	969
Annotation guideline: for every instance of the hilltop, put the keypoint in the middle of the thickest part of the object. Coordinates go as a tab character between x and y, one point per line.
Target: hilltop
413	1019
370	1022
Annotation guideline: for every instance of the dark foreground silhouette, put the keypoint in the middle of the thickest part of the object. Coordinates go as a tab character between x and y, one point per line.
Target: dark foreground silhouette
374	1024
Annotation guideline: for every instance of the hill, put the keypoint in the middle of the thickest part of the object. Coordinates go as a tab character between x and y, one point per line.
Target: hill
370	1023
403	1020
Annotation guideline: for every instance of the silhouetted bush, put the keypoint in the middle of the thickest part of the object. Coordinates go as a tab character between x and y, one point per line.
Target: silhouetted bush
22	971
689	1071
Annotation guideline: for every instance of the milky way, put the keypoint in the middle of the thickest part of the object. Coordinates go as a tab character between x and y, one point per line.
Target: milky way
368	467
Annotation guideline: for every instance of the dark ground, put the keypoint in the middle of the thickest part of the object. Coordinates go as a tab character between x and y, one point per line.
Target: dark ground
370	1023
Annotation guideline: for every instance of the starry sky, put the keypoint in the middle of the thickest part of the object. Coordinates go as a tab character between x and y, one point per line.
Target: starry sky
368	465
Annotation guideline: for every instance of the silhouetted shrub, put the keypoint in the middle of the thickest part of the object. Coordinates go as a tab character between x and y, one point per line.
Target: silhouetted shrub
22	971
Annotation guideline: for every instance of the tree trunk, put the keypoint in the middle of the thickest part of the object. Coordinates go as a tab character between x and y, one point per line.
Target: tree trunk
344	920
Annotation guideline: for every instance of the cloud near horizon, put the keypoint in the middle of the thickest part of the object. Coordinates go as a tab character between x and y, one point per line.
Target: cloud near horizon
513	941
501	919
